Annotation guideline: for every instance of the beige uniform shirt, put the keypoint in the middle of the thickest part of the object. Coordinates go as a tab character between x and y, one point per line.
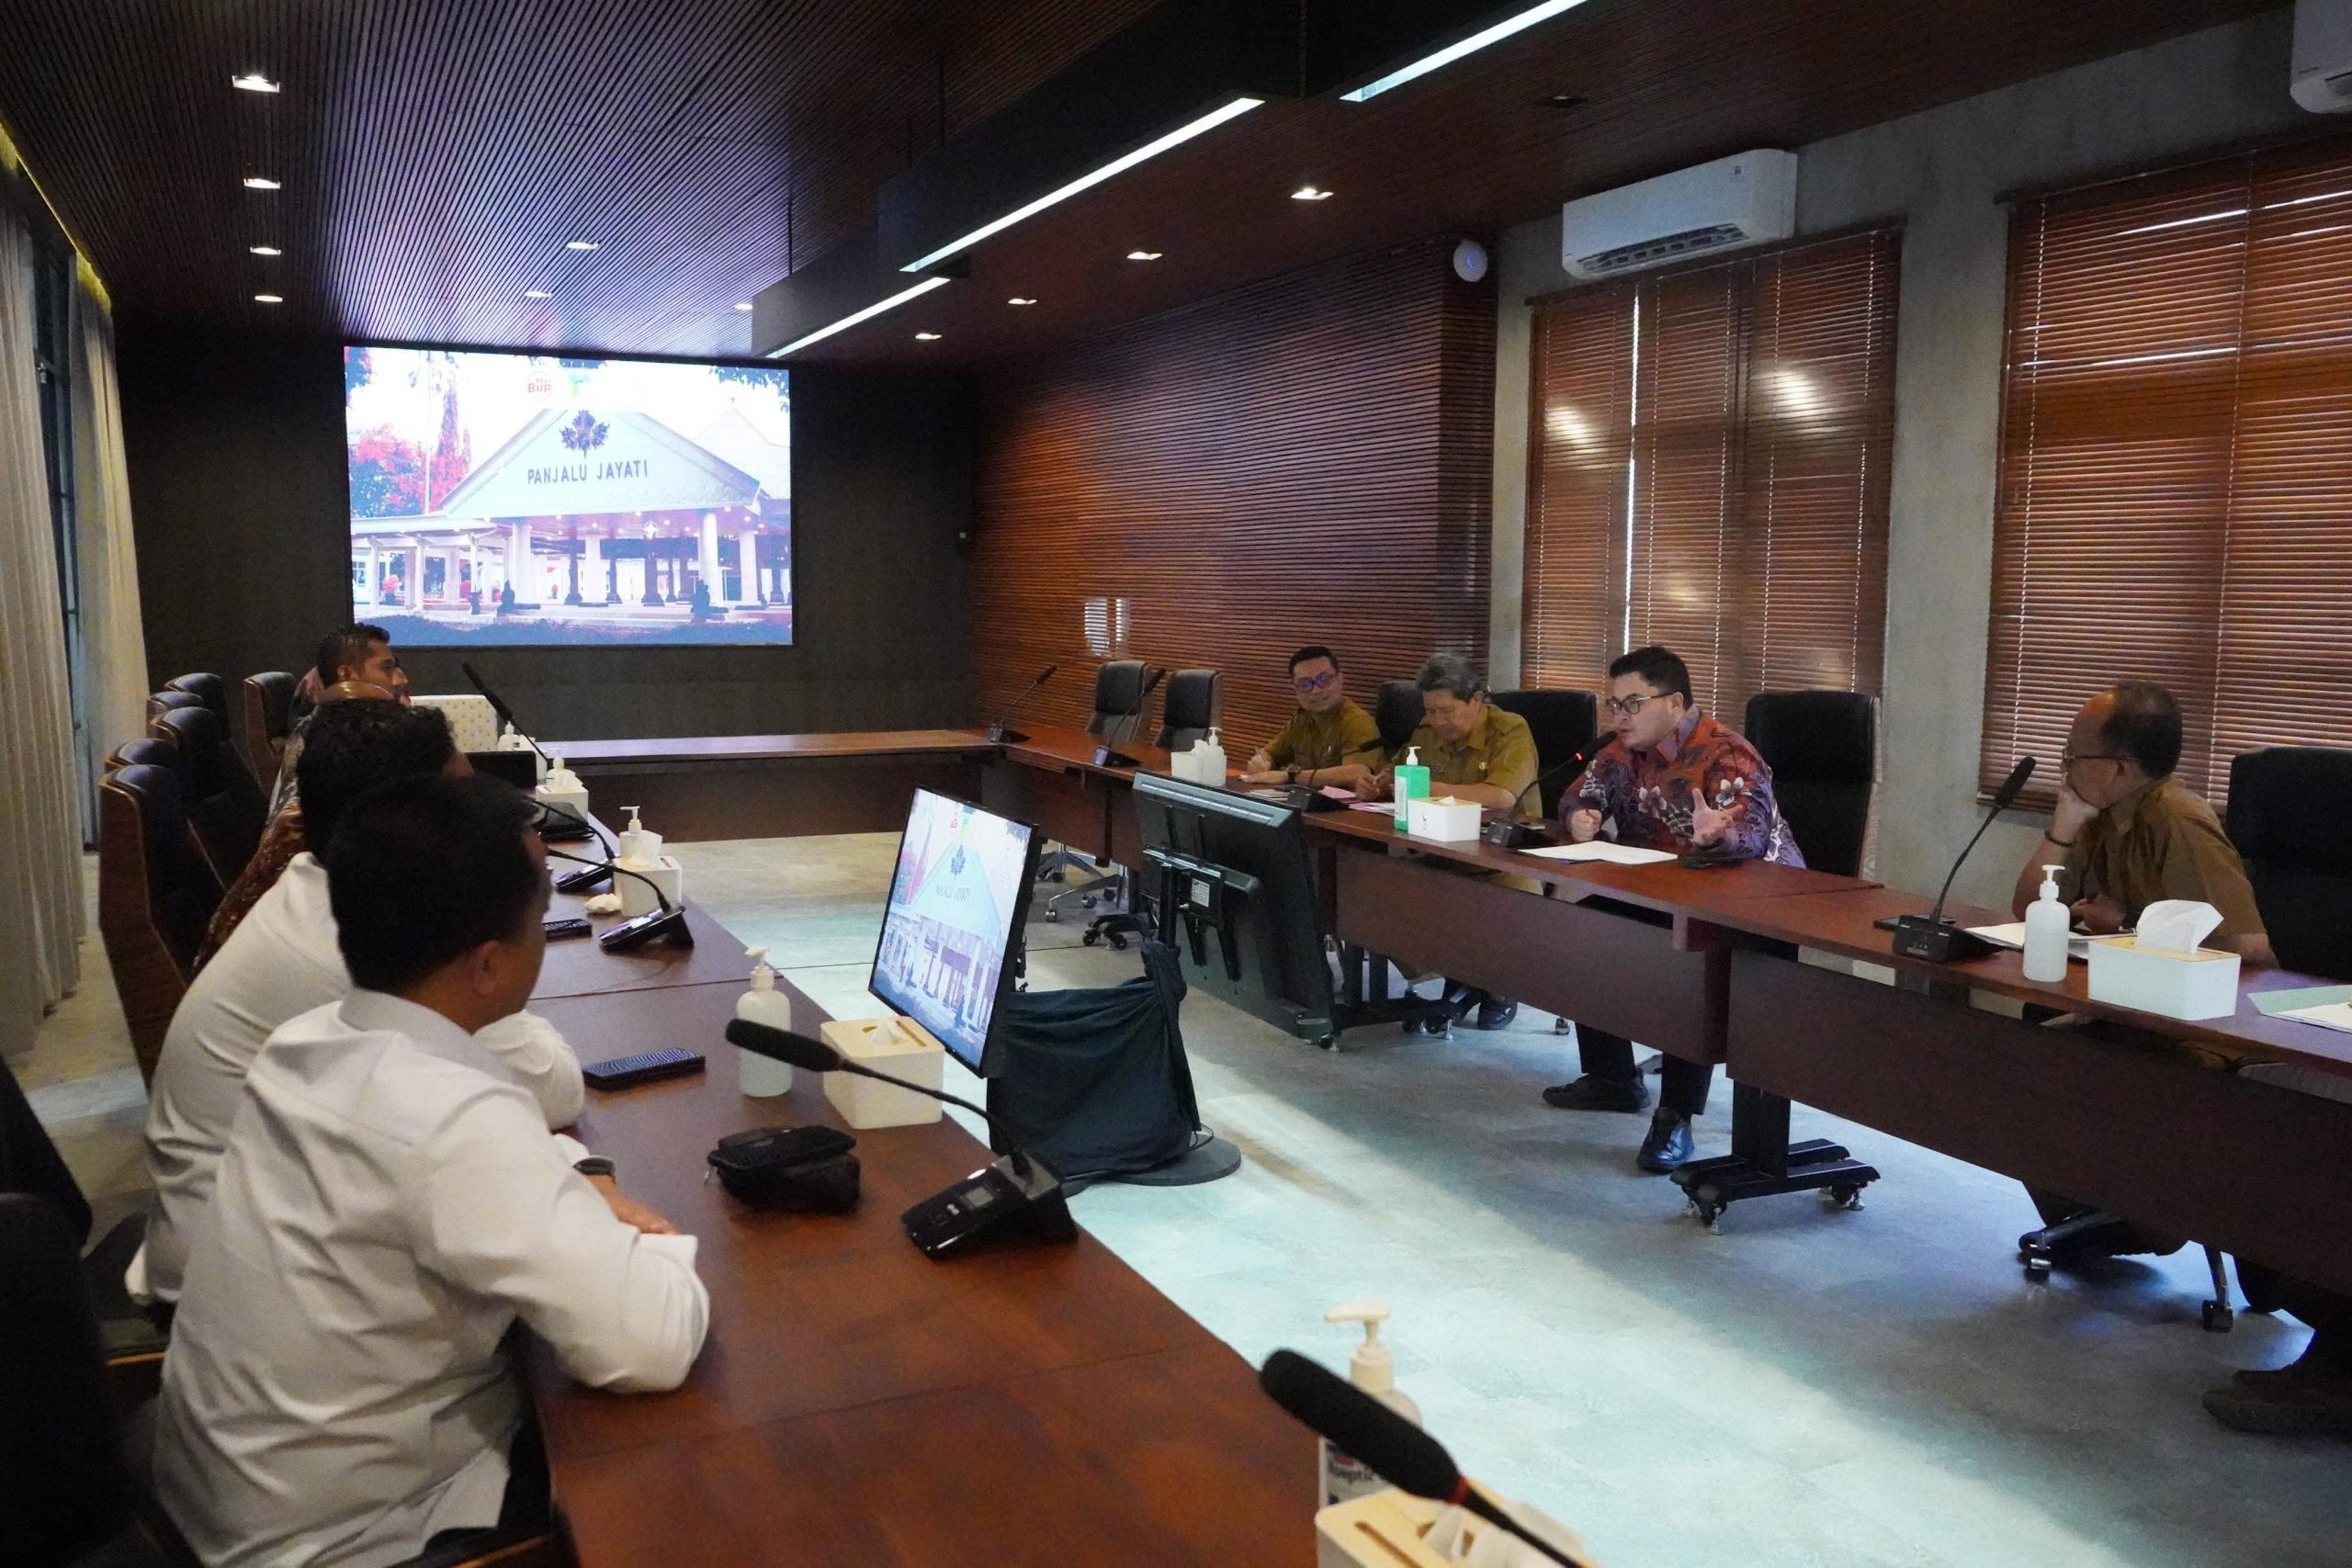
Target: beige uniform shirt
1499	751
2160	841
1346	734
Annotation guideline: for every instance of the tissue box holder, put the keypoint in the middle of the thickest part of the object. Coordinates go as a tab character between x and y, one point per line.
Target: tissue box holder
1384	1531
2203	984
637	898
916	1056
573	800
473	723
1445	819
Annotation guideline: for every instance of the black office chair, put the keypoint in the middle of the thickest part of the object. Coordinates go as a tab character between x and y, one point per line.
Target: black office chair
268	718
212	690
1189	710
162	703
1397	711
1118	701
226	810
155	896
30	1164
145	750
1562	723
1823	750
2286	816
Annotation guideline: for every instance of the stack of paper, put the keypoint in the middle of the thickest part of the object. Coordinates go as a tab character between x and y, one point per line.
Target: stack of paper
1601	850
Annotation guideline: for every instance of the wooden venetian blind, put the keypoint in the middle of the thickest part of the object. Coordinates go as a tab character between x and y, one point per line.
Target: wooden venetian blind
2175	467
1307	459
1708	470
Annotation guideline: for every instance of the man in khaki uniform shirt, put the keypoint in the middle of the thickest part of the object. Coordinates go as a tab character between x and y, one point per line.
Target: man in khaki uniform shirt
1474	752
1329	741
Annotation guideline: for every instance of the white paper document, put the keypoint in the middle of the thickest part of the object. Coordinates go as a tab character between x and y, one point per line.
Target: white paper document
2334	1015
2012	936
1602	850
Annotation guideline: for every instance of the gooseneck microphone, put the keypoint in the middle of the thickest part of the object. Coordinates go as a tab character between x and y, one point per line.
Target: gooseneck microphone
1001	733
1506	832
1930	936
1383	1441
1011	1199
498	706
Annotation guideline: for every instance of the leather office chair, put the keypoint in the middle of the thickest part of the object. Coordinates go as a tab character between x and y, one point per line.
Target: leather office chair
146	751
1118	701
1823	750
213	692
226	810
155	896
1561	723
1188	712
2286	816
30	1164
268	715
1396	710
162	703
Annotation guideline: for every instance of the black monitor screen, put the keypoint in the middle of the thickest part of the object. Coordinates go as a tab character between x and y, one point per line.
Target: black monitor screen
957	900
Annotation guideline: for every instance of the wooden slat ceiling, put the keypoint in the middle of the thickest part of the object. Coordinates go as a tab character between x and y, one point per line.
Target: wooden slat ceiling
437	155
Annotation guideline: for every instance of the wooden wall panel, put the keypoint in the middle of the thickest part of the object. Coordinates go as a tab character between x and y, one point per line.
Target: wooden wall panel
1302	461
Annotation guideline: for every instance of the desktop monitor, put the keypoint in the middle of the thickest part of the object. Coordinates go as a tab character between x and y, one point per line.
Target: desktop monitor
1246	921
958	900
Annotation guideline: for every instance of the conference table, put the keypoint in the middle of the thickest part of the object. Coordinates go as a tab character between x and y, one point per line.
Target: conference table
857	1402
1778	974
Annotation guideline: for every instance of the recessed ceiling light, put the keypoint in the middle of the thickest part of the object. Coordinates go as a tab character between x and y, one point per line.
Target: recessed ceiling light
254	182
1021	299
537	294
269	298
253	82
1143	256
1460	47
268	251
926	337
742	304
1310	193
581	244
1561	101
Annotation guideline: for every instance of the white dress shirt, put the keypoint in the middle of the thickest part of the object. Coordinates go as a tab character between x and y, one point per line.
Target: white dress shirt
280	961
388	1206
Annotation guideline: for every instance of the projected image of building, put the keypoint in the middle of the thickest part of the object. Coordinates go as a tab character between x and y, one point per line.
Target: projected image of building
594	524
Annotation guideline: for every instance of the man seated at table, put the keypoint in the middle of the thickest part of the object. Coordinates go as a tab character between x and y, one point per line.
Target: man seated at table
1329	741
1474	752
356	661
284	960
1671	778
2127	833
390	1203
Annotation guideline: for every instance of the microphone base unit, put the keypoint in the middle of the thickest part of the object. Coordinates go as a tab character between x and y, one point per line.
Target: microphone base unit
1013	1200
1003	734
582	880
1505	834
667	927
1938	941
1111	757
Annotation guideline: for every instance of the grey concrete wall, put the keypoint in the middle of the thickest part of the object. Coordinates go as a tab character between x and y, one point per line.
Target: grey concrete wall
1940	172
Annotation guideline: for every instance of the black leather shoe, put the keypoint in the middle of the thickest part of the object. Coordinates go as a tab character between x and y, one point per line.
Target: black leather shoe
1669	1145
1495	1012
1591	1093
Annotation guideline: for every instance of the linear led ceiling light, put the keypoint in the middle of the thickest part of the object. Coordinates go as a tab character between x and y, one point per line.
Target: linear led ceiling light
1177	137
925	287
1453	51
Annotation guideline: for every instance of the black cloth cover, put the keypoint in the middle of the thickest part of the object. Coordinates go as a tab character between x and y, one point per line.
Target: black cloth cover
1096	1082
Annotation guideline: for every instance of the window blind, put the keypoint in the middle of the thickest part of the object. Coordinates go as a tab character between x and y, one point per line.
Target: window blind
1708	470
2176	463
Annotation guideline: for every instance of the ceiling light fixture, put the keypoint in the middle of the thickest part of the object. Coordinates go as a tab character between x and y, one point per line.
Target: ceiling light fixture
1453	51
1021	299
742	304
925	287
581	244
537	294
253	82
1181	134
1561	101
1310	193
269	298
254	182
926	337
268	251
1144	255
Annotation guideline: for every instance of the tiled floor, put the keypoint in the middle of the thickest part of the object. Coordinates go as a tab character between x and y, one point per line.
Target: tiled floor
1863	1389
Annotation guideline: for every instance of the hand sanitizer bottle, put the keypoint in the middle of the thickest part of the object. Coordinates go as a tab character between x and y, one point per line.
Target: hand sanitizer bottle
1208	761
2046	922
1373	1370
762	1076
1412	782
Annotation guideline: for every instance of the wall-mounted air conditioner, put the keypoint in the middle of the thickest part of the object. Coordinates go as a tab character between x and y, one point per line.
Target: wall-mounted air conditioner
1750	198
2321	74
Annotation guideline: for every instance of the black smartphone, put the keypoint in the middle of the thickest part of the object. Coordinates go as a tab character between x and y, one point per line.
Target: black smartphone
649	1067
559	931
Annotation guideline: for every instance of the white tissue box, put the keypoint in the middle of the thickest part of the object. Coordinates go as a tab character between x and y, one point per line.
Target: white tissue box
2203	984
1444	818
914	1056
473	723
573	800
637	898
1390	1528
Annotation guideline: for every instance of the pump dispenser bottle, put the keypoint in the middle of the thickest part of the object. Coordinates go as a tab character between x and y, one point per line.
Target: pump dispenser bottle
1208	761
1412	782
763	1077
1373	1370
2046	922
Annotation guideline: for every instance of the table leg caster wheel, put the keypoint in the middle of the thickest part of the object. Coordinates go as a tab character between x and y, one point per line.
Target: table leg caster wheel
2037	1269
1708	1209
2217	1317
1118	942
1844	1195
1092	938
1326	1043
1053	916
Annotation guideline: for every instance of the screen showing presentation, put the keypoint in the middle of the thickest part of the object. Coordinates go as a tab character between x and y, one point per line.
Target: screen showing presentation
957	899
536	499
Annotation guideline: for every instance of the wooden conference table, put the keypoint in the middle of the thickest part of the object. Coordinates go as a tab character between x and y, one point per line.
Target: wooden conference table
857	1402
2131	1115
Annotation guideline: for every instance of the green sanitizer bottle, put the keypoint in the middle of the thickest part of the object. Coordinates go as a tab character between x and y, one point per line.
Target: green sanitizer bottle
1412	783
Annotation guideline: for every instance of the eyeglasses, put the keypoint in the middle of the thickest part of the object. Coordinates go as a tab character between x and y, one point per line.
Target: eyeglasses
1626	707
2067	759
1315	683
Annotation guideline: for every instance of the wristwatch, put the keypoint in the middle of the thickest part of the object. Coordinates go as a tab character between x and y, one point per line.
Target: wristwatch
594	1165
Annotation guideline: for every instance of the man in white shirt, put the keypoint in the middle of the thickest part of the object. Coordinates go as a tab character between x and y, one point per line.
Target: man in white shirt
389	1206
282	960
